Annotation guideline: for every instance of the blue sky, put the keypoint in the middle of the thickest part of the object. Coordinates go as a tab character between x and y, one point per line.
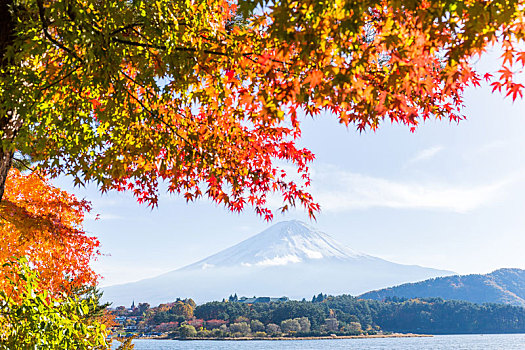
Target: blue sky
449	196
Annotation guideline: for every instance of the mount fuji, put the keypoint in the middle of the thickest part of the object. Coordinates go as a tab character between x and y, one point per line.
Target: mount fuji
290	258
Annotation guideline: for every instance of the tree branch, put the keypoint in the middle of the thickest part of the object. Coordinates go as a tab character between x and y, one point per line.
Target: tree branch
59	80
45	24
161	120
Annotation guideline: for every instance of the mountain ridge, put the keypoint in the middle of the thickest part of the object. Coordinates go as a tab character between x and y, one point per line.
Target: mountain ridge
505	285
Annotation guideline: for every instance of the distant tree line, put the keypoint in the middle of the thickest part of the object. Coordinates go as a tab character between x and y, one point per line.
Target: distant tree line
326	315
437	316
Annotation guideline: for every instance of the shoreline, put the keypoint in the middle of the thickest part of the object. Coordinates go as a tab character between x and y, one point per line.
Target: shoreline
395	335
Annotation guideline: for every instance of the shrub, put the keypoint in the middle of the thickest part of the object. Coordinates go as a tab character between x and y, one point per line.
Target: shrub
256	326
290	326
273	329
187	331
241	327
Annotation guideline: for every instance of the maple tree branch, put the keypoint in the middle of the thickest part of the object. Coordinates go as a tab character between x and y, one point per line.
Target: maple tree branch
134	43
138	83
23	164
169	126
121	29
164	47
45	24
138	24
59	80
33	170
188	49
161	120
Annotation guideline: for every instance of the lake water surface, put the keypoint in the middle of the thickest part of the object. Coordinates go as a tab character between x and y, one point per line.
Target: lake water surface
439	342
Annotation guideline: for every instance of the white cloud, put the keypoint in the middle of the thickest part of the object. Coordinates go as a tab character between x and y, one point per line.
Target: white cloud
279	260
425	154
339	191
114	272
493	148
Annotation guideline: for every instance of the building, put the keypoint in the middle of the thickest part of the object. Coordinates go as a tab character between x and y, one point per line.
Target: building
259	300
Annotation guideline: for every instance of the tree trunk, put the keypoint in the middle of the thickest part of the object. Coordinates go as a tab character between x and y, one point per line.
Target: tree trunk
6	159
9	123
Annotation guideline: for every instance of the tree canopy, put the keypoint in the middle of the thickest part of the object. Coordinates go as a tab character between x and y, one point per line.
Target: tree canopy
31	318
44	224
205	96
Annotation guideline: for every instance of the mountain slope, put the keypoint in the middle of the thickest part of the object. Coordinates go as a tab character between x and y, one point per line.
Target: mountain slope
289	258
501	286
282	244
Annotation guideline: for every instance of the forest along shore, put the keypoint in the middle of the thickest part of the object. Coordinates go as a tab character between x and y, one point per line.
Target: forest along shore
394	335
324	316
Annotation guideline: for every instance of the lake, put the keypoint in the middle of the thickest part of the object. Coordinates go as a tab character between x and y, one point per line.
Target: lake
438	342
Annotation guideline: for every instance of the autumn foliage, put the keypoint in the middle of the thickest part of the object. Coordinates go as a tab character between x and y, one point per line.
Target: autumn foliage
44	224
33	318
208	96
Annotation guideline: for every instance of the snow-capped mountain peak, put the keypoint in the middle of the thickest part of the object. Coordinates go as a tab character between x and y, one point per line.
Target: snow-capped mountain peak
289	258
281	244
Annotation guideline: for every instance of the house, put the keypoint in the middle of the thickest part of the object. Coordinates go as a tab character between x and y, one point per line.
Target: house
259	300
